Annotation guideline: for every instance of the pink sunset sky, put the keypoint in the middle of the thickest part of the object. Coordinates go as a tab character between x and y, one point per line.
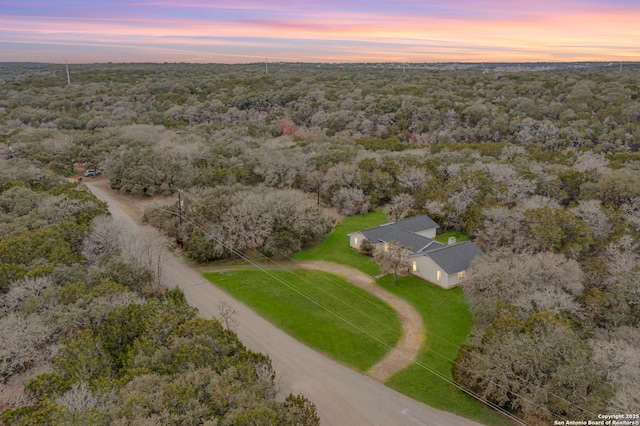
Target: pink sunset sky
319	31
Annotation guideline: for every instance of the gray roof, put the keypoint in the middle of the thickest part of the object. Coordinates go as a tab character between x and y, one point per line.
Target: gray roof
403	232
379	233
411	241
454	258
451	258
395	231
432	246
416	223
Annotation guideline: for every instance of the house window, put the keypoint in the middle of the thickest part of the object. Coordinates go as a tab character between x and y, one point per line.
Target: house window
438	276
414	266
355	240
462	274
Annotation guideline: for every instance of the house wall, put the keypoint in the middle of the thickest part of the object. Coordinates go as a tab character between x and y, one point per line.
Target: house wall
356	236
453	280
429	233
428	270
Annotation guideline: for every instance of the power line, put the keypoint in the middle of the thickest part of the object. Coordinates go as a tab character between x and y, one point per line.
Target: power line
459	348
258	266
357	327
331	295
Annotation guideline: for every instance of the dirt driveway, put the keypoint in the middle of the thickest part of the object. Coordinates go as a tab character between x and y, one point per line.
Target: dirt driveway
407	348
343	396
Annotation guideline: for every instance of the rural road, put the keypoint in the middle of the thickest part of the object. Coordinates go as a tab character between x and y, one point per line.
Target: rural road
342	396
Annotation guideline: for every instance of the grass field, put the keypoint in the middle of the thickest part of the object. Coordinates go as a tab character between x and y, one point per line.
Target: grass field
447	319
335	248
320	309
445	314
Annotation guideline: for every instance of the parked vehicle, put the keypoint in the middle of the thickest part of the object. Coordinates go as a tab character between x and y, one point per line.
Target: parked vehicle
92	172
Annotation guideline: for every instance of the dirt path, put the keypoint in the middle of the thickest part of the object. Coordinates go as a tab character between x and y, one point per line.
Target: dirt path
407	348
342	395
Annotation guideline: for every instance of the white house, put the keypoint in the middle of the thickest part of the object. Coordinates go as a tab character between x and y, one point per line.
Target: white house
442	264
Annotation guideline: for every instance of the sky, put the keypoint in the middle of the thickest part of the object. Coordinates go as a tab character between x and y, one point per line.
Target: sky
246	31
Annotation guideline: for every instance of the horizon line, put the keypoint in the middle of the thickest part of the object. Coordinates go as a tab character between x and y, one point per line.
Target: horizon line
617	62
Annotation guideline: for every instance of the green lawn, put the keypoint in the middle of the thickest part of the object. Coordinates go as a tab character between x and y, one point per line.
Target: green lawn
447	321
445	314
444	237
351	326
335	248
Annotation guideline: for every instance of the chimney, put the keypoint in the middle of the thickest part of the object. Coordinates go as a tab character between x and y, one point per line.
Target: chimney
452	240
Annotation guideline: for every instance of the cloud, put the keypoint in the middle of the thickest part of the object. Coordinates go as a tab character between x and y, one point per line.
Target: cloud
343	31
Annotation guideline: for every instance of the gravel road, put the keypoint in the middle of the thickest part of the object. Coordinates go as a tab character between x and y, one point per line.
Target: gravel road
343	396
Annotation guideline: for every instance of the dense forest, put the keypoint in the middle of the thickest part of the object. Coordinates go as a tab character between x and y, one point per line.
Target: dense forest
540	168
89	338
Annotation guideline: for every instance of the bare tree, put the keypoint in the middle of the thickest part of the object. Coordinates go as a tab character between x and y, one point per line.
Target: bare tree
618	351
400	204
313	182
280	169
501	228
24	343
79	398
147	249
412	178
538	202
20	290
591	212
622	255
350	201
632	213
510	152
451	211
508	184
60	146
144	249
393	259
462	199
12	396
589	160
543	281
102	240
342	175
266	219
227	315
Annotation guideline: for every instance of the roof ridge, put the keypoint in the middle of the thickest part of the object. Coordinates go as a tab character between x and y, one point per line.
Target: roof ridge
376	227
431	241
445	246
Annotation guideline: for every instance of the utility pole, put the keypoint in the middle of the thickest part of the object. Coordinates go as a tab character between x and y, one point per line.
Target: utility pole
179	239
68	76
266	66
180	205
